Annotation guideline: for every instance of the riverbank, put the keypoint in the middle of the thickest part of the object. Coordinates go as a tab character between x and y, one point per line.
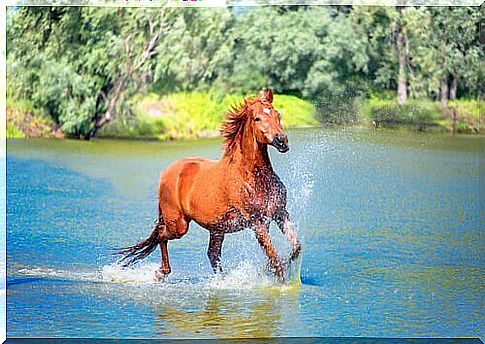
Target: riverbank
182	115
189	115
193	115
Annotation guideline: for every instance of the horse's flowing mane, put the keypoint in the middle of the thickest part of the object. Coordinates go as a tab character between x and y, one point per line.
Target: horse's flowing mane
232	127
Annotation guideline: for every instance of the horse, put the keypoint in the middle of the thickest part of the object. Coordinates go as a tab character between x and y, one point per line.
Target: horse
239	191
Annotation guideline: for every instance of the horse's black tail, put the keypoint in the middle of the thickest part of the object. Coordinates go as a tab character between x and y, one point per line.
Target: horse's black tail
133	254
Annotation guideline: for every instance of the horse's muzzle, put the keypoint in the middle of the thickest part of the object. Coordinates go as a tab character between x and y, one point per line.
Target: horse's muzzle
280	142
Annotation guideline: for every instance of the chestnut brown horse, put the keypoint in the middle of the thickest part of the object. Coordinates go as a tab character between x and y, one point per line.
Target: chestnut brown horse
239	191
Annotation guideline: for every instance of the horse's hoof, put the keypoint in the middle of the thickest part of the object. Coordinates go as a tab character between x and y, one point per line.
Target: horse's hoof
280	274
160	275
281	279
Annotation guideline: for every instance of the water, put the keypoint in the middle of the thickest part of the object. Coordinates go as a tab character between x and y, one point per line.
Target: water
390	223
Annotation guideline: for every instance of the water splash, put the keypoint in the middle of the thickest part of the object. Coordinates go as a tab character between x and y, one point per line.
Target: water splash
245	276
84	276
142	273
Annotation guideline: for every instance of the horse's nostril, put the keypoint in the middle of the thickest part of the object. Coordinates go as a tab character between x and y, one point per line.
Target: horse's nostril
281	138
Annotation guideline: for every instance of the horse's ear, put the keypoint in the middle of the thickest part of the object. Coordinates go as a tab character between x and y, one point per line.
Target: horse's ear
269	95
266	95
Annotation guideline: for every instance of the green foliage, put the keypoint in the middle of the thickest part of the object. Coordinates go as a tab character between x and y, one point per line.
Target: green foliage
469	109
194	114
339	106
24	120
81	66
448	46
387	113
467	114
69	60
13	132
295	112
20	105
463	128
195	51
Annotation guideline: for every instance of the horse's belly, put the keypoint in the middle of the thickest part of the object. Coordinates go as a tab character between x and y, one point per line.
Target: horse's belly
230	222
214	214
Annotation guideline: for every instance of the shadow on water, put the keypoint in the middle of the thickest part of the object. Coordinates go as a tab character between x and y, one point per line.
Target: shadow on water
21	280
308	280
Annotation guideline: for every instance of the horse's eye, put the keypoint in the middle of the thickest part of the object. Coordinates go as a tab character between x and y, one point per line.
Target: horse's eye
257	119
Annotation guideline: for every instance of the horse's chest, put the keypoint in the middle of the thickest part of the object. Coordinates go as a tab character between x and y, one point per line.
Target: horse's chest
233	221
261	198
259	202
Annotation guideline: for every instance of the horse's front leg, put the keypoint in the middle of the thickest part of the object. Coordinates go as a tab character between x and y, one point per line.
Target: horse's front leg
214	250
286	227
262	235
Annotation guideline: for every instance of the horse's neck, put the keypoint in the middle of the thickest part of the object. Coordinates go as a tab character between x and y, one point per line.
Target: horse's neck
250	157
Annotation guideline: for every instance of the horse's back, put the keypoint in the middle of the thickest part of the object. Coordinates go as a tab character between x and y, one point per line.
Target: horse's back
183	169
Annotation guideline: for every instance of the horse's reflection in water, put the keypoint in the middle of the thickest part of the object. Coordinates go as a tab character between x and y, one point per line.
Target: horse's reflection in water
261	313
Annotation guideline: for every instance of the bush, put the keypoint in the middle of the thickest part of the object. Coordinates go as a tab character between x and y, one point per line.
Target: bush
339	106
463	128
387	113
382	112
468	114
420	115
24	120
13	132
295	112
468	108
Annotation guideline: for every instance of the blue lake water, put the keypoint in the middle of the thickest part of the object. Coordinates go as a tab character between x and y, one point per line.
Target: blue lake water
390	223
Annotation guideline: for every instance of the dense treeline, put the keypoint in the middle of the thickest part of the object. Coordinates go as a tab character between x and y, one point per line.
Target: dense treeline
80	65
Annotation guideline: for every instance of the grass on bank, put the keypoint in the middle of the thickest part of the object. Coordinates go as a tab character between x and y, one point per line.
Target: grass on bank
381	109
423	115
24	121
419	115
200	114
194	115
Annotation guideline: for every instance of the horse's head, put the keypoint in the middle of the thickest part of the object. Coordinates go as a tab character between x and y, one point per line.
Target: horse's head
266	122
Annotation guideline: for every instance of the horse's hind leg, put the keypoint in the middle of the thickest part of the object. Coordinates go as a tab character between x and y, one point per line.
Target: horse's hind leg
165	262
165	267
162	238
214	250
169	230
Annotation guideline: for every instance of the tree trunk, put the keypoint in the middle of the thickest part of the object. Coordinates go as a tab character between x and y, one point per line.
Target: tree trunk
114	94
444	91
402	92
453	87
454	118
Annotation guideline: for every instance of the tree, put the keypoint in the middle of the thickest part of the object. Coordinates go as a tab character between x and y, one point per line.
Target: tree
80	63
454	42
196	51
444	50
